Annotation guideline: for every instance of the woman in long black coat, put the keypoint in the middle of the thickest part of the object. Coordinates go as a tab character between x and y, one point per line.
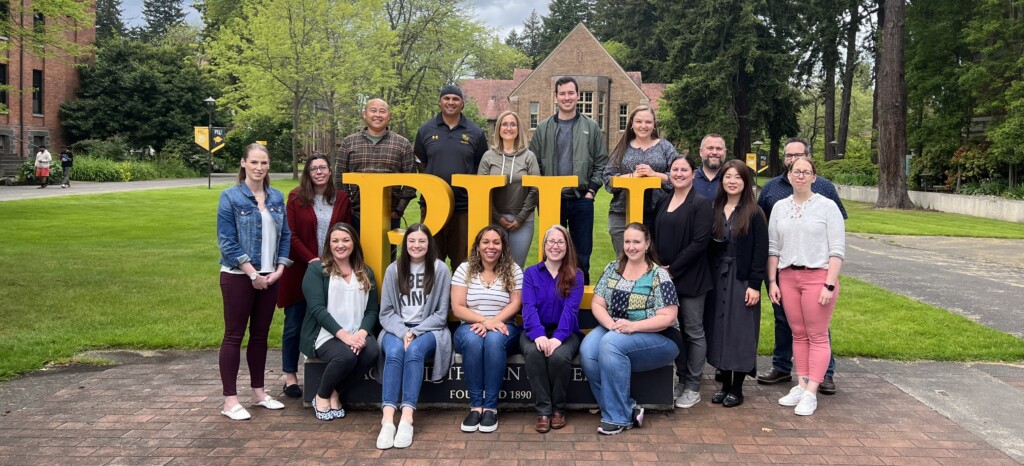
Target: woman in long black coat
738	256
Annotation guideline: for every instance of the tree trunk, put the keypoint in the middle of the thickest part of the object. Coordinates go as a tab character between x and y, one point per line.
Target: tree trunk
874	97
851	65
741	105
774	165
828	91
892	112
296	108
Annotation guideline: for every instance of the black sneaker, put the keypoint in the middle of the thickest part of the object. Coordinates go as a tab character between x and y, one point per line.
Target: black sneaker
638	417
472	422
610	429
489	421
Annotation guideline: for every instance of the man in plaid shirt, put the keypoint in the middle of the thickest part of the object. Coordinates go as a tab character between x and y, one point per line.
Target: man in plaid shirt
376	149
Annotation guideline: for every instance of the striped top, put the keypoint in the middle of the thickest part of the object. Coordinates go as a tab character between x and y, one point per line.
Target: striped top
486	301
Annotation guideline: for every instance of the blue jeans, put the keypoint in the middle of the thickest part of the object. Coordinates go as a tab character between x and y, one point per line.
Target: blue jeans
608	360
782	355
483	362
293	317
578	217
403	368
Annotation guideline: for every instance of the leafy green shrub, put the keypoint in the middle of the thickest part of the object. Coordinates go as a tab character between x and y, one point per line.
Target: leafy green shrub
188	155
174	168
1016	192
854	170
113	148
990	187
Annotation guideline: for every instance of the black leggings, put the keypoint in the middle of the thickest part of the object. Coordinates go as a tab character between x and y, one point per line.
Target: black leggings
732	382
344	368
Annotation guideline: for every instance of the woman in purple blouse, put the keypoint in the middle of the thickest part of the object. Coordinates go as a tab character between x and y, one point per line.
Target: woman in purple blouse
552	291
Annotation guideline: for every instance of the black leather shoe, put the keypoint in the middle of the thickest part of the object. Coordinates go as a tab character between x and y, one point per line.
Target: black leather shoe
718	397
827	387
773	377
732	400
292	391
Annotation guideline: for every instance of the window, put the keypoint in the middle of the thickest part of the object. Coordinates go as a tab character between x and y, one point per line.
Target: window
5	14
3	86
623	116
37	92
534	112
586	104
38	23
37	142
3	144
600	110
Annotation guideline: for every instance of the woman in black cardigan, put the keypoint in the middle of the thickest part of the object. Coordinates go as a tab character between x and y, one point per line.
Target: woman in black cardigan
682	231
739	255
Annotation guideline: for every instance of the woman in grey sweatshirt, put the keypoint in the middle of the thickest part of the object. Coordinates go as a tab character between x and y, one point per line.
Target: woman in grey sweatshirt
414	314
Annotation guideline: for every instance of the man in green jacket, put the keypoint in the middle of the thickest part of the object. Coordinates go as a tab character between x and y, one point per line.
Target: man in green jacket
570	143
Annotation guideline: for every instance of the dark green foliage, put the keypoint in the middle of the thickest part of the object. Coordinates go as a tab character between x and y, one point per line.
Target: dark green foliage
647	53
108	20
562	17
161	16
148	93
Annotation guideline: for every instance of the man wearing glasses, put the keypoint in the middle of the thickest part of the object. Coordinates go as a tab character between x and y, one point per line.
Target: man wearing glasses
775	190
376	149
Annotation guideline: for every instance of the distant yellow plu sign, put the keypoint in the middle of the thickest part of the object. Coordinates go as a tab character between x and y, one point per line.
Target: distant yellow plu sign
375	194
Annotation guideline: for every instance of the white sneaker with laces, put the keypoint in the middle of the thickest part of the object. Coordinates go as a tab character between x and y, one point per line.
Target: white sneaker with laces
793	398
807	405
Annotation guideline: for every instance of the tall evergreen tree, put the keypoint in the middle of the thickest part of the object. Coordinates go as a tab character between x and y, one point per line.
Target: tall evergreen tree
108	20
638	32
161	16
563	15
892	112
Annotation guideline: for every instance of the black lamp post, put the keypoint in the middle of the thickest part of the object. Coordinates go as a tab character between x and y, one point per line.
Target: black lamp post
210	104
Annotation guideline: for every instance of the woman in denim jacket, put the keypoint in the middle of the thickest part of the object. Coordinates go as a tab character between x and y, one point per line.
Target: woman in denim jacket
253	238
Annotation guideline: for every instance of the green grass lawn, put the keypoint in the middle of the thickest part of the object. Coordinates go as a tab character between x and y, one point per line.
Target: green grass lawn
139	270
865	218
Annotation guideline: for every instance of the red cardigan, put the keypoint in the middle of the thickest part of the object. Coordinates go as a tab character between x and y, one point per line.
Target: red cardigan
302	223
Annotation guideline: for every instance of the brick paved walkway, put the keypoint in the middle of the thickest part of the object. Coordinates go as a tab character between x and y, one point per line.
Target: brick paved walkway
168	413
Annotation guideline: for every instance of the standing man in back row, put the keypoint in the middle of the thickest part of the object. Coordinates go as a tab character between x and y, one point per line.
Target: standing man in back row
446	145
570	143
712	156
775	190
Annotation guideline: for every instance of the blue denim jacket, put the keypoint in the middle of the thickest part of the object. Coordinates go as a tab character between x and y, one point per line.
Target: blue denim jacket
240	227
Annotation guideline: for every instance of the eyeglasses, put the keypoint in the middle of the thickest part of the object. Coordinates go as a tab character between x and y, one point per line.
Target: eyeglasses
555	242
802	173
793	156
319	168
509	124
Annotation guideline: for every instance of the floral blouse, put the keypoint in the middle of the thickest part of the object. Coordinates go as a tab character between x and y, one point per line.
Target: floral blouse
636	299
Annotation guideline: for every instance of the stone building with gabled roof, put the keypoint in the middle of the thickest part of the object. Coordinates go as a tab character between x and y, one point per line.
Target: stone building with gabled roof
607	92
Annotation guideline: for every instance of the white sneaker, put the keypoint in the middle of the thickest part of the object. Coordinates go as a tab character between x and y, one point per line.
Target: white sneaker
688	399
404	436
269	403
793	398
386	438
807	405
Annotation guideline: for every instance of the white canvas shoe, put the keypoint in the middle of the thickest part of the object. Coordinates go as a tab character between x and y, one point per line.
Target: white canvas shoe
793	398
807	405
386	438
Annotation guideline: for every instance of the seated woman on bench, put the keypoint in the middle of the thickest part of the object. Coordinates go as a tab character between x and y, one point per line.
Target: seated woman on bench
552	291
414	315
342	307
635	304
486	296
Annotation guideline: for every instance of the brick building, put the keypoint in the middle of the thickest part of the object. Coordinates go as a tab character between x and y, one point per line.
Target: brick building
607	92
36	87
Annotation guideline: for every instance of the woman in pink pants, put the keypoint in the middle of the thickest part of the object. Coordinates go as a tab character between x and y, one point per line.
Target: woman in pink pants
806	245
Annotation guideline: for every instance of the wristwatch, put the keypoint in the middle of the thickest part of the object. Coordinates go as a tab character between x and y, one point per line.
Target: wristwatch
253	276
830	287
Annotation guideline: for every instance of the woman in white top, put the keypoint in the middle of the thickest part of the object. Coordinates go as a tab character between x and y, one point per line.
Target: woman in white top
486	296
414	315
806	245
341	311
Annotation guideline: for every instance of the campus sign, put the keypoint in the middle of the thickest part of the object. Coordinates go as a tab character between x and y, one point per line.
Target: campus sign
375	194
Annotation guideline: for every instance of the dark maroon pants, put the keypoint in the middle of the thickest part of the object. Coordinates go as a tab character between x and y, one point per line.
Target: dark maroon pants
245	306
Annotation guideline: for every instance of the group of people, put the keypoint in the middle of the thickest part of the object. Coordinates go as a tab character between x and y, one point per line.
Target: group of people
685	287
42	166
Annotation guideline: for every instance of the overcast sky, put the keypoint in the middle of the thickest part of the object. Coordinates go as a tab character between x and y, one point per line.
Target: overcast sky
500	14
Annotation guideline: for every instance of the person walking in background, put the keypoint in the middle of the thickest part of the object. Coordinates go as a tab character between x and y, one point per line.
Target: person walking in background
641	152
806	246
486	296
512	205
414	316
341	295
775	190
552	292
682	231
67	162
43	159
450	144
313	206
254	242
570	143
635	304
739	255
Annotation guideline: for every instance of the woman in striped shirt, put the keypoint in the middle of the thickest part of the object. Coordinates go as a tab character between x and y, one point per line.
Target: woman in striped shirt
486	296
